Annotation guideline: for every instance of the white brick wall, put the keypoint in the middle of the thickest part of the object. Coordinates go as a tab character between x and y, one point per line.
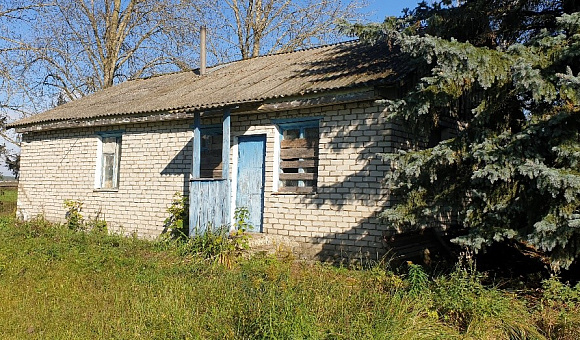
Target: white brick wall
60	165
340	219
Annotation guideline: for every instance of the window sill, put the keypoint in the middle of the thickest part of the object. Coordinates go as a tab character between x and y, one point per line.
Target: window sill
206	179
106	190
285	193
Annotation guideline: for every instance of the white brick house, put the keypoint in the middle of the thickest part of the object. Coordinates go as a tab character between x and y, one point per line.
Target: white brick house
299	134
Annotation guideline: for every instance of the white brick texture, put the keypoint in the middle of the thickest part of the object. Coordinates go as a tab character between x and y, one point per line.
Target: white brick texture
339	220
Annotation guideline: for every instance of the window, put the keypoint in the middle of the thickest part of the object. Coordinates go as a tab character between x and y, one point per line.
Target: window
108	159
211	151
298	155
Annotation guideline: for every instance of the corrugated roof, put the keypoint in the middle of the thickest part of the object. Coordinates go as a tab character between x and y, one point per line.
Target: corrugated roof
332	67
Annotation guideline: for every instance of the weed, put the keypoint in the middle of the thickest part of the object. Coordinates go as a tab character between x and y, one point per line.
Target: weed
556	292
178	221
73	216
241	225
75	221
558	312
418	280
461	300
220	244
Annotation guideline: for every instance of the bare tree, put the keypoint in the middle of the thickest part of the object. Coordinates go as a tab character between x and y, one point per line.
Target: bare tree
14	91
81	46
75	47
249	28
54	51
16	98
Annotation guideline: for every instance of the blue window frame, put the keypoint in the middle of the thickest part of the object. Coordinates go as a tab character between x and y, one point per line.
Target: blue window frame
211	151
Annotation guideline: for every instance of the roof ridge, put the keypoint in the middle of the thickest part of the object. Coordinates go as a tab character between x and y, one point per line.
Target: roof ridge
352	41
221	65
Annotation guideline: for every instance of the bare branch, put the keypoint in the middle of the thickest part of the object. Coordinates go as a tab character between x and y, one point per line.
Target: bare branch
267	26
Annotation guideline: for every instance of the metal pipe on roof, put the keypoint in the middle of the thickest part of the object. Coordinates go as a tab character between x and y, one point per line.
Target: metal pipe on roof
202	53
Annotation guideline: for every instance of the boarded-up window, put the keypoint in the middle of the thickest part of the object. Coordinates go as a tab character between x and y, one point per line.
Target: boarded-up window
211	152
108	162
299	156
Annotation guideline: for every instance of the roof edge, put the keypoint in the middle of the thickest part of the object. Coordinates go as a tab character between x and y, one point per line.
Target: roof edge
291	103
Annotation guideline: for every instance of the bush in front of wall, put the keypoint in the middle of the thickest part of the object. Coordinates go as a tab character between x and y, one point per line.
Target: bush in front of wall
221	244
73	216
75	220
178	221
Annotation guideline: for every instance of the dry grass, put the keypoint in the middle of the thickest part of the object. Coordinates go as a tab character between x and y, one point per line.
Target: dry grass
59	284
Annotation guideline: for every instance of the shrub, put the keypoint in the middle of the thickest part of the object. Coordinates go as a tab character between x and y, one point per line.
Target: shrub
220	244
76	222
557	314
461	300
178	221
73	216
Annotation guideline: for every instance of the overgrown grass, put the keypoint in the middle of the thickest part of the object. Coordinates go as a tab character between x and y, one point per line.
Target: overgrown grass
8	194
8	197
57	283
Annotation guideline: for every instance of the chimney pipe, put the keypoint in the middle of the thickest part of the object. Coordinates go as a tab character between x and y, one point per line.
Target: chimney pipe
202	53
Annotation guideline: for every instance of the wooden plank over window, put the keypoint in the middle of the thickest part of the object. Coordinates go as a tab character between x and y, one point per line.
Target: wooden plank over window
299	156
298	176
310	143
308	163
298	153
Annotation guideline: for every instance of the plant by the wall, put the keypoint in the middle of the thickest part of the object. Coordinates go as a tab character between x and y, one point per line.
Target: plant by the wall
73	216
97	224
418	280
178	221
221	244
241	224
76	221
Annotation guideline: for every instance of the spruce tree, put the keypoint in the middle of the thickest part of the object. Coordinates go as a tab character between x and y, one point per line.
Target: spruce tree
506	72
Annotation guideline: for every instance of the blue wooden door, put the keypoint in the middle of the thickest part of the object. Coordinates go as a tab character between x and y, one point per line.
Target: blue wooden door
250	179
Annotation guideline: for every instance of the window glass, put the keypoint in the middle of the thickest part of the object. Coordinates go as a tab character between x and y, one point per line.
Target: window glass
108	177
291	134
211	153
311	133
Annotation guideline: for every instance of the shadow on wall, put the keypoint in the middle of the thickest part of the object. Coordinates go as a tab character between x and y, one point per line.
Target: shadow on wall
181	165
367	136
368	238
366	139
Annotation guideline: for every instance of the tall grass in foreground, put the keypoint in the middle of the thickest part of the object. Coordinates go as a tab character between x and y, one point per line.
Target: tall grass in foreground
56	283
8	197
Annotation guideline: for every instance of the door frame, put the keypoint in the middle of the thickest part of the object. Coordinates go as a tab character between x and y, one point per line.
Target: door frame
234	171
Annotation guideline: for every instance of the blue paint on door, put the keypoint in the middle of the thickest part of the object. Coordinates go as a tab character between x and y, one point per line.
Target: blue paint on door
250	182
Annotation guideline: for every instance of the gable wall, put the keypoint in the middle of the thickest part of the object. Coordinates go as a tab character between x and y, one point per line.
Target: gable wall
339	220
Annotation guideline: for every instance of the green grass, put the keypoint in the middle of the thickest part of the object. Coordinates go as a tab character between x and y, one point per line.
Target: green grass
8	197
8	194
59	284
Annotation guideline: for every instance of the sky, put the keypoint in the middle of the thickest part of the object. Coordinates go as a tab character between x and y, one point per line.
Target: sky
377	11
380	9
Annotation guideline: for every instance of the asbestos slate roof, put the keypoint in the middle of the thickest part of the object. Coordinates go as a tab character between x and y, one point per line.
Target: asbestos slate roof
315	70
